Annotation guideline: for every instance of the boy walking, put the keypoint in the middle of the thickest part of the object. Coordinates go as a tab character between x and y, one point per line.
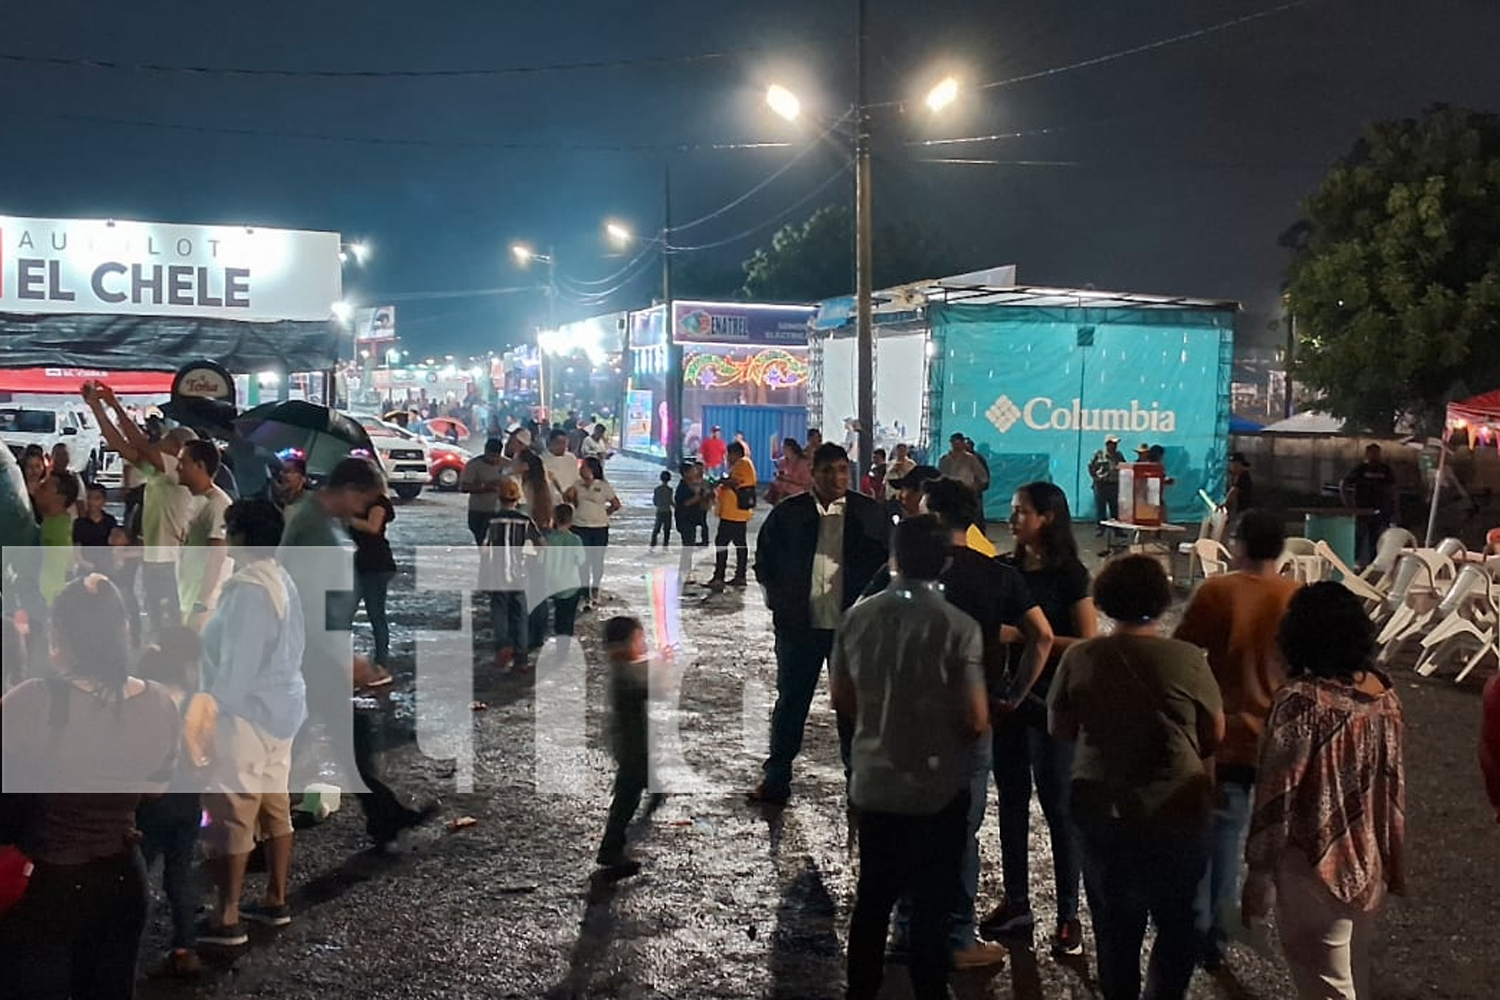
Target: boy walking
629	678
664	502
563	559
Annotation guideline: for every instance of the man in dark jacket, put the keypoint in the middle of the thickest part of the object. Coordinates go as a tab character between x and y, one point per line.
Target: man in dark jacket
814	556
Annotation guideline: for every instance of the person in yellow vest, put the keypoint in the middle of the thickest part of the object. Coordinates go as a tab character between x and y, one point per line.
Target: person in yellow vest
736	506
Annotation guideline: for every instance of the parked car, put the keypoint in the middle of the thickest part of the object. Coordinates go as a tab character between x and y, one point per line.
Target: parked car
403	454
48	424
447	463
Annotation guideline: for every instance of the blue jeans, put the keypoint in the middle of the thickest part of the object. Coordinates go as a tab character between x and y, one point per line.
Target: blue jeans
1134	874
800	655
965	923
170	830
509	618
1220	888
1023	752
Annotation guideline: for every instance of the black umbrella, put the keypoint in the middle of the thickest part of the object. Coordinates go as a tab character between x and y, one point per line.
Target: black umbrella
323	436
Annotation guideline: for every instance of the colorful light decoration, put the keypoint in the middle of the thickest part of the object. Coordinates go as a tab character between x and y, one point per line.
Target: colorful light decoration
772	368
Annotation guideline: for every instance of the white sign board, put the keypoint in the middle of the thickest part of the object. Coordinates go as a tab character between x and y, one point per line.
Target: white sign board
56	266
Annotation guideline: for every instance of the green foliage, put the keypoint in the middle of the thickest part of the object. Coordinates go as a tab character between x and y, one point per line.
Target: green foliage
1395	278
815	260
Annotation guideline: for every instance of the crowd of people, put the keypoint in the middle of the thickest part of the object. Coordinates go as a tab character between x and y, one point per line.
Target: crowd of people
175	665
1252	761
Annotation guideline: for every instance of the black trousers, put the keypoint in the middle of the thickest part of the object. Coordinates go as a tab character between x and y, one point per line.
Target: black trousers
731	533
920	857
479	525
385	814
77	931
662	527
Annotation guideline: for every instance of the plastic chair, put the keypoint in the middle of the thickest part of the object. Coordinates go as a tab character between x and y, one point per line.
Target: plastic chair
1357	585
1305	563
1469	614
1212	556
1434	577
1211	527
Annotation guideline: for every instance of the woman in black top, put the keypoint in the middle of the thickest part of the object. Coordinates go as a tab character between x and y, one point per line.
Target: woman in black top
1046	556
374	567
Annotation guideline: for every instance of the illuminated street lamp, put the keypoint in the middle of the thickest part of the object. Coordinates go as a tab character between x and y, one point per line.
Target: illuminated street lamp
786	104
618	233
358	251
342	311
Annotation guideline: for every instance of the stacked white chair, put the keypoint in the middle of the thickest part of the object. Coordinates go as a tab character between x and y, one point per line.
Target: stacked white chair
1468	623
1212	556
1301	557
1423	579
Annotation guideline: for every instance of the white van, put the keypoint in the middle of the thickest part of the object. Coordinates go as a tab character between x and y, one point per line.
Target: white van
47	424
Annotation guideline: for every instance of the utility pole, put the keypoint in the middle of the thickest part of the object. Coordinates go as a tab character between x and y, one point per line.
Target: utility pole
864	252
544	383
673	444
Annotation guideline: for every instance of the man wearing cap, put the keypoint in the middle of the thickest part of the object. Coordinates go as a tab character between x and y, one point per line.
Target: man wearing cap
481	480
814	556
1104	470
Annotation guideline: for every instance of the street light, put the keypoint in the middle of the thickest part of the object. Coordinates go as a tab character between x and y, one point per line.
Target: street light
342	311
358	250
618	232
942	95
785	103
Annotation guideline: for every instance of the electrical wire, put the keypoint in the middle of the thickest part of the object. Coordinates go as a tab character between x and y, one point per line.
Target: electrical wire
26	59
1029	133
758	227
1162	43
735	203
422	142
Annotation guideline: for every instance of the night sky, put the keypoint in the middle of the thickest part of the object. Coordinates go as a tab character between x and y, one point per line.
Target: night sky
1185	162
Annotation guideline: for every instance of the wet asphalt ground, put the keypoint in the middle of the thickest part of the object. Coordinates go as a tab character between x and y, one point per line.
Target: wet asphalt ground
731	901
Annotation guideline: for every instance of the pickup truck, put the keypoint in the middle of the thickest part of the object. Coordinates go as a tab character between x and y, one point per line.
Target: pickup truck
47	424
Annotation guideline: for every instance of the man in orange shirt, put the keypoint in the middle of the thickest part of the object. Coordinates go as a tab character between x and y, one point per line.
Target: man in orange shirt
734	518
1235	618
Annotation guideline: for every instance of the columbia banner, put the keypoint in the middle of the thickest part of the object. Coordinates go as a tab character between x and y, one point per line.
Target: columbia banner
1040	389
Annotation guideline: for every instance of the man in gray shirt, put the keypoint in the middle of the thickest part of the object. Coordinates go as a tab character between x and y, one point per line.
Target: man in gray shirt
908	668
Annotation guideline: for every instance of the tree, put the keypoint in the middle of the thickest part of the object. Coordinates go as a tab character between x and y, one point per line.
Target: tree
815	260
1395	276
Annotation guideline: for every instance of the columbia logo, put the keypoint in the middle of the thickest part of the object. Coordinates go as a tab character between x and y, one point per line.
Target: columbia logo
1003	414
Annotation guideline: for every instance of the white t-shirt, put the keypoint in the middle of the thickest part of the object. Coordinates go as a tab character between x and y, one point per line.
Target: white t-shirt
594	449
166	511
562	469
206	525
592	508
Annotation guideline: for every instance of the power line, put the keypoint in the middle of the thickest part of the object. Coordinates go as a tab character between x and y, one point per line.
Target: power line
422	142
806	151
400	74
1029	133
1162	43
840	172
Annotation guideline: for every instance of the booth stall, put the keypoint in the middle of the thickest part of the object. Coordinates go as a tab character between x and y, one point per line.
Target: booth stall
715	355
1478	419
1038	378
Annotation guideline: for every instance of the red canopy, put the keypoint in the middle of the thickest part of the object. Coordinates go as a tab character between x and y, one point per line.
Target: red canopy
69	381
1479	410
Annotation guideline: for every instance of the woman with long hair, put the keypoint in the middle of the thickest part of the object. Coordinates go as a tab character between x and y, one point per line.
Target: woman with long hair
1046	556
593	500
1146	715
1328	831
80	748
537	496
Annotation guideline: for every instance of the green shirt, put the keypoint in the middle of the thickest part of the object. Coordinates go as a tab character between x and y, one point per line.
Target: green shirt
57	541
1145	709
